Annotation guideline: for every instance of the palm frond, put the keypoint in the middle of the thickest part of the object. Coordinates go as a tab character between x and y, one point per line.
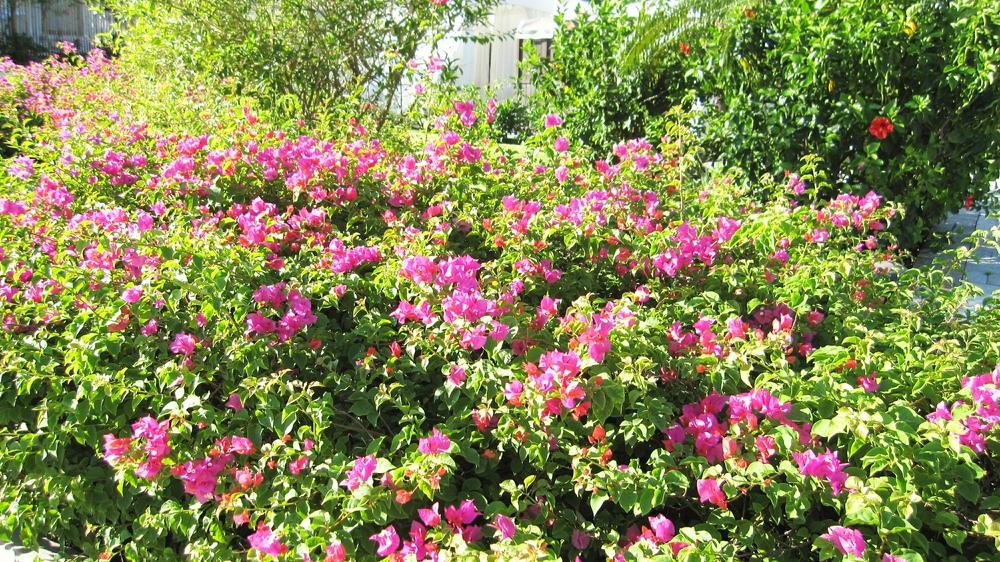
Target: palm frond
664	26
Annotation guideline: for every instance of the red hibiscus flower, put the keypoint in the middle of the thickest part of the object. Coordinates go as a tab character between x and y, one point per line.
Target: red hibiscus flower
685	49
881	127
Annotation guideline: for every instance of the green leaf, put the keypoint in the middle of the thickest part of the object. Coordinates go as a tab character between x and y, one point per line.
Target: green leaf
955	538
968	490
606	400
596	501
946	518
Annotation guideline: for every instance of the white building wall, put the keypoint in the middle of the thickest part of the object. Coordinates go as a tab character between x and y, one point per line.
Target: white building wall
54	21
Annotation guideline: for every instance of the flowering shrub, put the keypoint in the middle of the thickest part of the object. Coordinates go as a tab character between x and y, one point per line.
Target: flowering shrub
256	343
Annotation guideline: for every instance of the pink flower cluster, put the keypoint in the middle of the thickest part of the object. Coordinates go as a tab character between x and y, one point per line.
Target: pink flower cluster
710	491
711	440
823	466
702	341
156	446
847	541
298	312
342	259
779	322
266	542
690	245
542	269
659	532
554	381
119	167
52	192
262	225
466	112
985	390
360	473
848	211
796	185
436	443
462	305
637	153
595	332
201	476
458	518
521	211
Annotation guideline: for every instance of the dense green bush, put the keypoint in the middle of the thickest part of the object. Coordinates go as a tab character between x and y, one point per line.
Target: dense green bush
21	48
243	341
782	80
817	80
313	54
583	79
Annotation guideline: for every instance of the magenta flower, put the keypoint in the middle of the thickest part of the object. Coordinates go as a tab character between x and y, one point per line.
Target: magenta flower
132	295
431	517
183	344
580	540
234	402
847	541
823	466
561	144
387	540
505	525
890	558
436	443
562	174
464	514
868	384
472	533
500	331
552	120
335	552
939	413
115	448
260	324
710	491
242	445
200	477
457	375
265	542
297	466
676	547
360	473
512	392
663	528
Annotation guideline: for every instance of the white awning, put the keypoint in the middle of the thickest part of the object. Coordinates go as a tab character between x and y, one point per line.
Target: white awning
536	29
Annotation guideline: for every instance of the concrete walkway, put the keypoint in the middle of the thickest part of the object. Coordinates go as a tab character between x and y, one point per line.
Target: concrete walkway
985	273
15	553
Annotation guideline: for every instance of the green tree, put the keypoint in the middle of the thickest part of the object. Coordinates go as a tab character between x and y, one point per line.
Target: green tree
314	52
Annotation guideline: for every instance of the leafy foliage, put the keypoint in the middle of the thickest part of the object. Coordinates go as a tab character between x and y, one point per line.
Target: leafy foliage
21	48
312	53
813	81
584	81
664	26
782	80
245	341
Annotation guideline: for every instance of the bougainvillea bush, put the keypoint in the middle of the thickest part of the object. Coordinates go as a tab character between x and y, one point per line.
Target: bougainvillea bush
259	343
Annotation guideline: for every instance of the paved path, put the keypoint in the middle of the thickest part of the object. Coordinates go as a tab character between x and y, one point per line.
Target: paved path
985	273
13	553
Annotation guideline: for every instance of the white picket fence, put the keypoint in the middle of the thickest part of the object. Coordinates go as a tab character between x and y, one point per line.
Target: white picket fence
53	21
